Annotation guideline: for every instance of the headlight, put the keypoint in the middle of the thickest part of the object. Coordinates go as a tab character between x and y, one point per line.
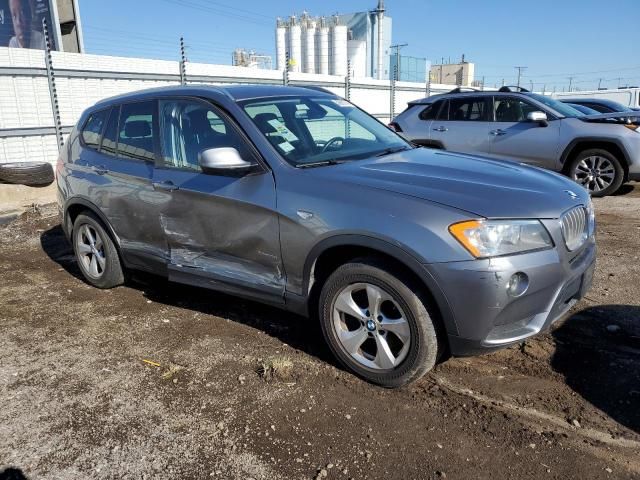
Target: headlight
493	238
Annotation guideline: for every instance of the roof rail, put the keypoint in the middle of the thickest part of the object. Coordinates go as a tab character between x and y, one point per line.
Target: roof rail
463	89
512	88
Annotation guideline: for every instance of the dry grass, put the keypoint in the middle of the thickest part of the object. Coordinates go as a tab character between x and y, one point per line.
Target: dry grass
278	367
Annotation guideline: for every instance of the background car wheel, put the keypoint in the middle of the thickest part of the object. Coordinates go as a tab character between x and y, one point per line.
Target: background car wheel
32	174
377	323
598	171
95	252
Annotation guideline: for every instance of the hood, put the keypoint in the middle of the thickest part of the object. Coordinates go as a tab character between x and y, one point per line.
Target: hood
482	187
622	117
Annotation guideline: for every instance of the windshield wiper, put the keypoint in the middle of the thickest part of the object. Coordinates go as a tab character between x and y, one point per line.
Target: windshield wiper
390	150
321	163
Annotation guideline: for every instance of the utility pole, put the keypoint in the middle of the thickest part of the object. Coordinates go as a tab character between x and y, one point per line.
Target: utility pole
397	47
570	83
532	85
520	70
599	83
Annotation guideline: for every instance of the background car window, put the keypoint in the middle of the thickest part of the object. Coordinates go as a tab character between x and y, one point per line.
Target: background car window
431	111
110	137
136	127
512	109
189	127
443	113
468	109
93	128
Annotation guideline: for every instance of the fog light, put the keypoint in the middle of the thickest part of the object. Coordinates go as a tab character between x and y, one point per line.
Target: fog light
518	284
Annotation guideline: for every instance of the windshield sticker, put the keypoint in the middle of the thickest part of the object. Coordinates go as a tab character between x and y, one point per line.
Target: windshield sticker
286	147
283	130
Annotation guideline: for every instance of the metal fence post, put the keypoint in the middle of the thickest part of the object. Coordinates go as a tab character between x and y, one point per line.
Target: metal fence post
428	91
347	82
183	63
285	72
394	77
53	93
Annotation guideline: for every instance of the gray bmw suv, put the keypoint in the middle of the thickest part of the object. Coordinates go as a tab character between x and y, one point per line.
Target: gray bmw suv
598	152
296	198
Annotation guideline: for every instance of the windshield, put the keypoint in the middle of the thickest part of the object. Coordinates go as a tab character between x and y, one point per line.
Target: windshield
562	108
319	130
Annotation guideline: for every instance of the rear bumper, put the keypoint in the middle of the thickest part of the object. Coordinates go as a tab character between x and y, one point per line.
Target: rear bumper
488	318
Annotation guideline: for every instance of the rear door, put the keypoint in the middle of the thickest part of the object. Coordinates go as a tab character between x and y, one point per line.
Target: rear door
222	231
515	138
462	124
119	168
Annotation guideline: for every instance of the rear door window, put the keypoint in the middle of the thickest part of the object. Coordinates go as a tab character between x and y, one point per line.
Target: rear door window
92	130
110	137
138	122
468	109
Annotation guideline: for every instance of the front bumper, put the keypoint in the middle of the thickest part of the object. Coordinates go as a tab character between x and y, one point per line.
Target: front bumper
486	317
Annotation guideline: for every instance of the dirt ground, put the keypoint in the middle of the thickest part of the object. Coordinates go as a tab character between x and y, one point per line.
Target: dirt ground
157	380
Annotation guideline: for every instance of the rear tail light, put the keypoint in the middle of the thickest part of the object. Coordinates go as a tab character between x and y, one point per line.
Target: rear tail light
395	127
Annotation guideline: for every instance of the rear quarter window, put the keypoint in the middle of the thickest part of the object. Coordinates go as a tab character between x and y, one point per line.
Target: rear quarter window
92	130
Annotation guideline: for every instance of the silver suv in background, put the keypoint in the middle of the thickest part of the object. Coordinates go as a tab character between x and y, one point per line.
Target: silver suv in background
598	152
295	197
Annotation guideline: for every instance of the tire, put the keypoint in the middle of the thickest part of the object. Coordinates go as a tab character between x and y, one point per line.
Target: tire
32	174
107	273
410	357
598	171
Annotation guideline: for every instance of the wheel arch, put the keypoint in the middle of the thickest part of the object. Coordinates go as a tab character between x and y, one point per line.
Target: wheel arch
611	145
332	252
74	206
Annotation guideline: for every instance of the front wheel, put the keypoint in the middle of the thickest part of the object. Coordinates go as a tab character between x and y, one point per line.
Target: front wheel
377	324
598	171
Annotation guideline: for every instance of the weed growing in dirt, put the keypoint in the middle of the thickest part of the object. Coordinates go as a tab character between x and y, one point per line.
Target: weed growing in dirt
275	368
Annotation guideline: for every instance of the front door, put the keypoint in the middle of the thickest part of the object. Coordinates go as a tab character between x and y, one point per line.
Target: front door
222	231
515	138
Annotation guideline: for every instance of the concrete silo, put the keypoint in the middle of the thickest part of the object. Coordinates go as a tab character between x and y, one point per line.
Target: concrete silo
309	45
322	47
338	48
281	44
295	45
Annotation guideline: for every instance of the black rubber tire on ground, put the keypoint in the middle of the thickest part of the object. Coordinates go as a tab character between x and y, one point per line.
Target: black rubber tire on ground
424	344
32	174
618	179
113	274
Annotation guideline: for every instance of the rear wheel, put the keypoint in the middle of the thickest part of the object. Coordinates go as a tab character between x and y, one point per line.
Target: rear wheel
96	253
598	171
377	324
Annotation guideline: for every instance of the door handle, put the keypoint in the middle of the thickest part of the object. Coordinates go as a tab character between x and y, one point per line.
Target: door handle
167	185
498	132
100	169
441	129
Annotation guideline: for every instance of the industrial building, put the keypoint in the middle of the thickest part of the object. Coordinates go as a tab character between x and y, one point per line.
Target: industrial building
326	45
461	73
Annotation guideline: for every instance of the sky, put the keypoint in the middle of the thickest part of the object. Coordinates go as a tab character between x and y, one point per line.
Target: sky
591	41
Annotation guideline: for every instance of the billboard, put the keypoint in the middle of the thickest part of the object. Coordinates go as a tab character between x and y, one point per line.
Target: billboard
21	23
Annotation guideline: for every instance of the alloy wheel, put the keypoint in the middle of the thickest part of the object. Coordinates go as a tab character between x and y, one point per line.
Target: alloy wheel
370	326
90	251
595	173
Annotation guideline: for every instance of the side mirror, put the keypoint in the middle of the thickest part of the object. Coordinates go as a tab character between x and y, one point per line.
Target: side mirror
224	161
538	117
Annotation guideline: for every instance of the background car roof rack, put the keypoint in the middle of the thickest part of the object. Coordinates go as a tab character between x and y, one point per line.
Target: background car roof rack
463	89
512	88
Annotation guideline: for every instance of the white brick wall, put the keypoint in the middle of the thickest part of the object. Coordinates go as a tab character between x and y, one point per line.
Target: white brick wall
25	102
